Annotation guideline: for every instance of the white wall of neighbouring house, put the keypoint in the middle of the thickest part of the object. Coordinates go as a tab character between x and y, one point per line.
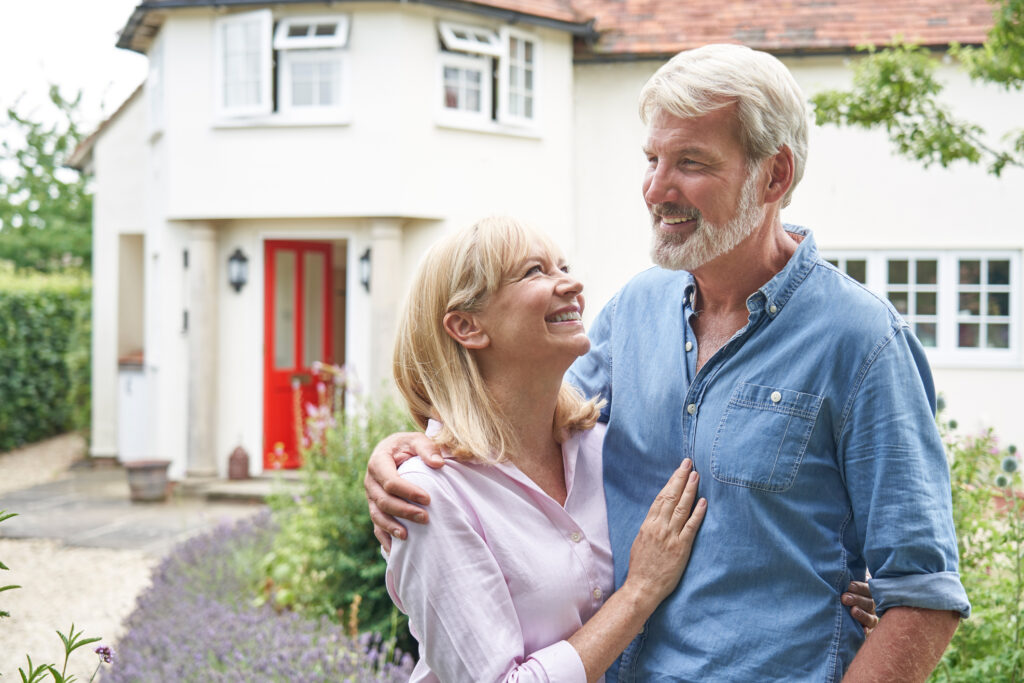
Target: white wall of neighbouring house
855	195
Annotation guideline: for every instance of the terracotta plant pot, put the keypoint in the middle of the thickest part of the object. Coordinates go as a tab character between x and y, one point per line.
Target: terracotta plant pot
147	480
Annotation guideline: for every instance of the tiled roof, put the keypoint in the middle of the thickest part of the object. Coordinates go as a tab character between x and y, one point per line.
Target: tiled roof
641	28
663	27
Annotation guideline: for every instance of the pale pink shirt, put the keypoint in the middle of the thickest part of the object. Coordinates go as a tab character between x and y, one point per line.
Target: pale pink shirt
502	574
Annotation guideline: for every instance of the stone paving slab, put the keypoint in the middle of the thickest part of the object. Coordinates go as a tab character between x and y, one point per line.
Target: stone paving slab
91	508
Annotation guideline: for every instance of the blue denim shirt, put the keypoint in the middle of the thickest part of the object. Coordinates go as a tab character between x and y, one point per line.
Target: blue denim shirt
813	431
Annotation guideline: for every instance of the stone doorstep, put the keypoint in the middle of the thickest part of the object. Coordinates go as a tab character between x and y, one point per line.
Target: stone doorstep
253	490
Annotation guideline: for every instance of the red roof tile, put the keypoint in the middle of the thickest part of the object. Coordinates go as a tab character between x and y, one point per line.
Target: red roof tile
663	27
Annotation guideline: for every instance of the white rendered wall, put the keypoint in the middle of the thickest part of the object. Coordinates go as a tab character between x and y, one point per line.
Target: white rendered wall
392	159
118	208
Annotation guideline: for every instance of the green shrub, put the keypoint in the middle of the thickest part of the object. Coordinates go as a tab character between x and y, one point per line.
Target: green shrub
988	512
325	559
40	342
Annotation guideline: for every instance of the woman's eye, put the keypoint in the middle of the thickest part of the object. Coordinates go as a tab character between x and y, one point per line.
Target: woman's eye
564	268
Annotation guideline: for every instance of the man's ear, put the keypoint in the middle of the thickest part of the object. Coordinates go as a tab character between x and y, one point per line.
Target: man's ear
781	167
464	328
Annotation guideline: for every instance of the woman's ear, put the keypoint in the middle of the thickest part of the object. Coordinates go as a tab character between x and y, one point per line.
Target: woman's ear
464	328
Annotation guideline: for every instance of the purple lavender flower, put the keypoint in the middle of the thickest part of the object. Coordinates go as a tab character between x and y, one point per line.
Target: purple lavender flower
105	653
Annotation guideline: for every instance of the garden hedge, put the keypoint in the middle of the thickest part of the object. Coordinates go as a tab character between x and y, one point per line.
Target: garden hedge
44	355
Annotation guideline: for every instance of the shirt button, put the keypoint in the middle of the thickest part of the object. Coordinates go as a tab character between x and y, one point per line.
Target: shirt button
597	593
773	309
776	397
692	408
576	536
689	346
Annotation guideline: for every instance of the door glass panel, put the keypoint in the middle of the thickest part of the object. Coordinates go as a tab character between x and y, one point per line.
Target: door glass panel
284	309
312	307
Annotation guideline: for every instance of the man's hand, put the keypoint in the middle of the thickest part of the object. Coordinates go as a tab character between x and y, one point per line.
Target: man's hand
387	494
862	607
906	646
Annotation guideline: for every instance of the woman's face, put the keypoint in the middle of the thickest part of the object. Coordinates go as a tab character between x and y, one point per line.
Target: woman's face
534	319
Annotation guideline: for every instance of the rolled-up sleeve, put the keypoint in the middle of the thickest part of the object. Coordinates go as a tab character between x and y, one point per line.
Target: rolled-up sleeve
450	585
898	481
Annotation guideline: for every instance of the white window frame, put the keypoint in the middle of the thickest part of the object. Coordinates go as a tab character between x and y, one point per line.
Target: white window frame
155	88
467	62
505	114
489	50
477	40
338	110
339	39
947	352
264	19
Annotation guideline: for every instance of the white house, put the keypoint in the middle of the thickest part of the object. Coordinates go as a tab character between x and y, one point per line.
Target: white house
326	144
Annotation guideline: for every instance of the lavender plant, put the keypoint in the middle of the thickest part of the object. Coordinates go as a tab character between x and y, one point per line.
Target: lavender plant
197	622
988	511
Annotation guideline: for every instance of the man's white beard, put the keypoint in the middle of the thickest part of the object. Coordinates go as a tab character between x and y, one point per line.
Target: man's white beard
707	242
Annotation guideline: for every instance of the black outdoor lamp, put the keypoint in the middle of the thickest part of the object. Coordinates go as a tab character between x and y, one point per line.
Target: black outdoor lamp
238	270
364	269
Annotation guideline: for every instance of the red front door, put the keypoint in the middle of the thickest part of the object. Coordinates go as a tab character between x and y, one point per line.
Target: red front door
297	333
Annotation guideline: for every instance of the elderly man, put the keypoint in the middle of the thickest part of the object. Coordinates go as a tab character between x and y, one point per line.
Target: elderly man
803	399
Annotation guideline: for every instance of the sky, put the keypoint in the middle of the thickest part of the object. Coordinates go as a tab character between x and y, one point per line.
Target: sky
69	43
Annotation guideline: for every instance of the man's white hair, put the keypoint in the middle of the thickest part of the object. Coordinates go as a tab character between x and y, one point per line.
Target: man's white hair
772	109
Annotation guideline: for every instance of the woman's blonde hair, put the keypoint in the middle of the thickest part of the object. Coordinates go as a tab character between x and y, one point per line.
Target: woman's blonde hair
439	377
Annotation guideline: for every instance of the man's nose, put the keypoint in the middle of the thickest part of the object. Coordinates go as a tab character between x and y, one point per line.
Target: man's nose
660	187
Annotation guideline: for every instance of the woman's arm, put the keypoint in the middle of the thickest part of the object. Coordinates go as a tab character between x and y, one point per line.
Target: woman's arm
657	560
459	605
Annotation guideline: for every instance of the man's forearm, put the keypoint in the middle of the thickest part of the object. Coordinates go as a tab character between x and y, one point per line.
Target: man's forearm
905	646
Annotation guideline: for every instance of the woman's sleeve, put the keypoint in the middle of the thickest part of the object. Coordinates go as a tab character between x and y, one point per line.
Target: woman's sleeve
449	583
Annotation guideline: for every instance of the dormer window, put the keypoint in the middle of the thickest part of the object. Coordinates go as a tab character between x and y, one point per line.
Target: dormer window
487	76
305	56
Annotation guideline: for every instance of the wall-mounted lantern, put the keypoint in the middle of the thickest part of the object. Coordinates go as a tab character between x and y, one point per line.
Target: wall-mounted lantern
238	270
364	269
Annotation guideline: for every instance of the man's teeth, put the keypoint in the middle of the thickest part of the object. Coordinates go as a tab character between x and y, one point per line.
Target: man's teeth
564	317
674	220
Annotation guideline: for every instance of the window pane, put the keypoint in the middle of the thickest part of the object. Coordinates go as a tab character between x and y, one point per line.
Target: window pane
925	303
970	303
529	79
473	100
927	272
529	51
999	272
898	273
970	272
284	309
858	270
326	29
926	333
998	304
968	336
998	336
900	301
298	30
312	307
451	97
528	110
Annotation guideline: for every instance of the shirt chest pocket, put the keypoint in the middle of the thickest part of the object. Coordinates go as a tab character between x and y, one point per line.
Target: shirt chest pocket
763	436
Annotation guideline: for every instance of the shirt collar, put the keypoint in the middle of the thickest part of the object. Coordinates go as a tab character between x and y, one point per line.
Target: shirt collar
777	291
780	288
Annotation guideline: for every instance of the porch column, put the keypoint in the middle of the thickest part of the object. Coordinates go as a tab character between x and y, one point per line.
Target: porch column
203	288
385	297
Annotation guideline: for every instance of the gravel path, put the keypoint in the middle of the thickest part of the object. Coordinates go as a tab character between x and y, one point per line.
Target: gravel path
94	587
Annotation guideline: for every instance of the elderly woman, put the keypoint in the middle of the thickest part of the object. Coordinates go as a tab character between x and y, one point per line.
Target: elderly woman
512	577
